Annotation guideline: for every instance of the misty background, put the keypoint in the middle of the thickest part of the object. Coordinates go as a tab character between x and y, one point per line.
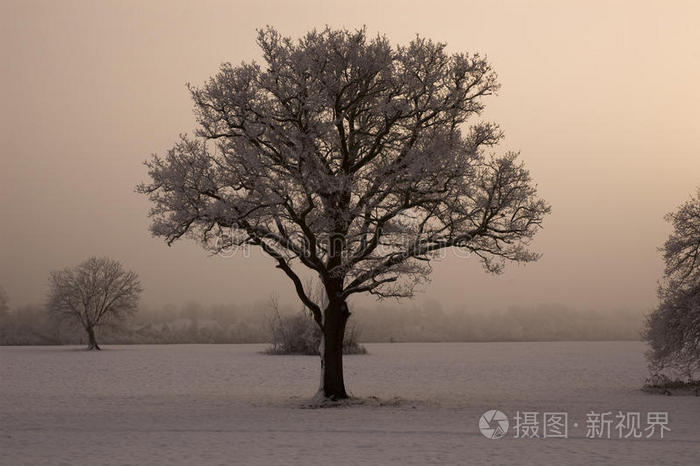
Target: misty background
429	322
602	101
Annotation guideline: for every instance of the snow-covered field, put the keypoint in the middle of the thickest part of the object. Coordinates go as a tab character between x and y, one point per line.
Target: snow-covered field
229	404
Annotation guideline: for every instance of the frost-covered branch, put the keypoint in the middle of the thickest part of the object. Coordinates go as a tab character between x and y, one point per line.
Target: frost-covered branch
351	156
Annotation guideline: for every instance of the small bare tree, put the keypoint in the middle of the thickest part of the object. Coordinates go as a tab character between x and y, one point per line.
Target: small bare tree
96	292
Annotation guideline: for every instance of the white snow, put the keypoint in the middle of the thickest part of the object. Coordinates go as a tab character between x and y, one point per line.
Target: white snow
229	404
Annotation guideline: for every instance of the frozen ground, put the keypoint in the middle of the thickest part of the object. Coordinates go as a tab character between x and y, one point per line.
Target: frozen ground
229	404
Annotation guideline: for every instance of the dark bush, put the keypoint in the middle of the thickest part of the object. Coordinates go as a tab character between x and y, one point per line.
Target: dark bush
299	334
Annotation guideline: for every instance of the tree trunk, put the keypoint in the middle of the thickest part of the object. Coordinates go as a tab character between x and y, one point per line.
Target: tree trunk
92	345
334	320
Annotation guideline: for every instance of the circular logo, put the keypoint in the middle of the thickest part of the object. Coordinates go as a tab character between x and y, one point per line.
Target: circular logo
493	424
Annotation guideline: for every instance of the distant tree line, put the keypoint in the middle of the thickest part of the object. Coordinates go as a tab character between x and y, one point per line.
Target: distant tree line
429	323
193	323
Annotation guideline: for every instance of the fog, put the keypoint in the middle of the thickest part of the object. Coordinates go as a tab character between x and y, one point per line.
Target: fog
602	101
429	322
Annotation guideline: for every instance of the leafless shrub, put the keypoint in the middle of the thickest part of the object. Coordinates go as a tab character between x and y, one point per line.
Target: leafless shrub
299	334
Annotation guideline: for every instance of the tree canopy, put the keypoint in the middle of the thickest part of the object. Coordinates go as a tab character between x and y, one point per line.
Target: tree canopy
350	157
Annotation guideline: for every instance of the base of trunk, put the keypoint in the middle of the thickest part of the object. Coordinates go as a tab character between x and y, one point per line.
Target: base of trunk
336	395
92	341
320	400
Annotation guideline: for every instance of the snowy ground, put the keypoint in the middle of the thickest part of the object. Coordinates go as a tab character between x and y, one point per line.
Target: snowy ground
229	404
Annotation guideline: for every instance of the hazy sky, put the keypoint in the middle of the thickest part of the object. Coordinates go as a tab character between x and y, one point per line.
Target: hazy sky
602	99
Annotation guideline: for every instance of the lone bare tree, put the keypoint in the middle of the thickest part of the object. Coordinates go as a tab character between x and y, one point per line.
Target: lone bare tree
673	329
351	158
92	294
